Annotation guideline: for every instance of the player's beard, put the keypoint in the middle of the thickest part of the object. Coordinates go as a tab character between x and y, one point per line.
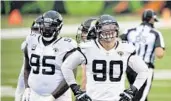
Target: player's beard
49	38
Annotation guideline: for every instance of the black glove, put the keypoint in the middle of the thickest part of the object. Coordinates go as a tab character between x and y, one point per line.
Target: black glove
128	94
79	94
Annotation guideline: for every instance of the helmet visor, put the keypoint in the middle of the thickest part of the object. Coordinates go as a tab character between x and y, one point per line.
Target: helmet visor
108	31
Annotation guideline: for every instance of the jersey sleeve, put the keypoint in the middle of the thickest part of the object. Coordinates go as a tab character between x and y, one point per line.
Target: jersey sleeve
69	43
123	36
139	66
26	41
29	39
84	46
128	47
69	64
126	33
159	42
84	49
32	36
20	85
71	47
73	44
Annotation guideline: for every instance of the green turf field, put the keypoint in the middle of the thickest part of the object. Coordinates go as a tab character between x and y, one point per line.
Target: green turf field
11	59
160	91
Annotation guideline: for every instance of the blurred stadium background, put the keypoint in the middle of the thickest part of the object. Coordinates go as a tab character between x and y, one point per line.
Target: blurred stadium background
17	17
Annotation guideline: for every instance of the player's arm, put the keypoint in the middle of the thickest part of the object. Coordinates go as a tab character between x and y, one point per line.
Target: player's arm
69	65
139	66
63	86
159	46
67	68
61	89
20	84
27	68
83	84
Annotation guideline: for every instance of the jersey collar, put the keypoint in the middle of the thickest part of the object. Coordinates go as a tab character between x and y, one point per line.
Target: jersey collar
55	41
101	47
148	24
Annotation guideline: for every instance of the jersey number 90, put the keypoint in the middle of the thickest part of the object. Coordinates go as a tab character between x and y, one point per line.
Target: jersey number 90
101	74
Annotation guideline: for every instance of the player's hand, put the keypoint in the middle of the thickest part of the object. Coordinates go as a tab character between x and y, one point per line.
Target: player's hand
18	95
79	94
82	96
128	94
49	98
26	95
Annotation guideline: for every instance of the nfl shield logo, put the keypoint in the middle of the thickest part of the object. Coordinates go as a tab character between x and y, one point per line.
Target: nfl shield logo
34	47
55	49
120	53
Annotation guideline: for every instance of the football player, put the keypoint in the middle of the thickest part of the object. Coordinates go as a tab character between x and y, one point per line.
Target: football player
35	29
86	32
44	54
106	60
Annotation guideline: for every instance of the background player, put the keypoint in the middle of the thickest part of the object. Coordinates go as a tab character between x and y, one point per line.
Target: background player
35	29
106	60
44	55
148	42
86	32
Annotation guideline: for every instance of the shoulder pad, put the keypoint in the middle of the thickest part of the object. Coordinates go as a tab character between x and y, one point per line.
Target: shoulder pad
128	47
126	31
69	43
32	36
84	45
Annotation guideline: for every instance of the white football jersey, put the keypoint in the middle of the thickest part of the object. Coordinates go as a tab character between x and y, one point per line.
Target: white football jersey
46	61
105	69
